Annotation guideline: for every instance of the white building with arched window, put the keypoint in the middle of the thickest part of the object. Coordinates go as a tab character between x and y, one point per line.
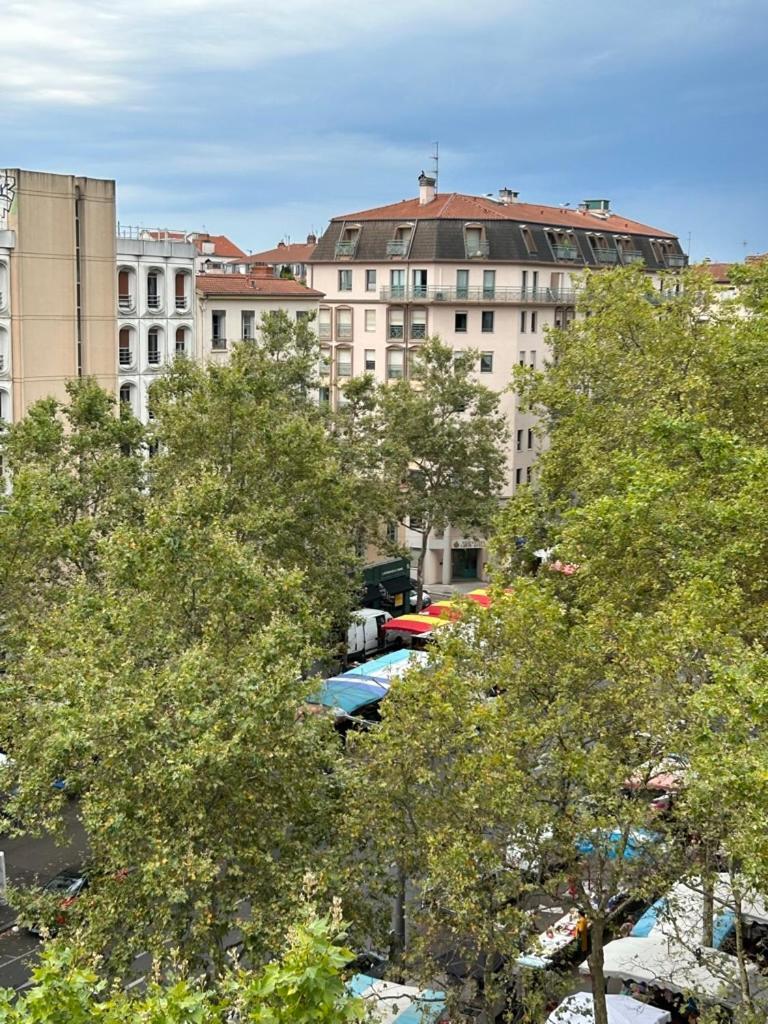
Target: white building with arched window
155	312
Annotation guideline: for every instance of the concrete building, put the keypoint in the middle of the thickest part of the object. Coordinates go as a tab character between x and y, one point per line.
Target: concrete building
216	254
230	307
155	311
290	257
490	274
57	285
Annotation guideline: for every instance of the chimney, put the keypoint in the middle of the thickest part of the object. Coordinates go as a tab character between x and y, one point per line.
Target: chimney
506	195
311	239
426	189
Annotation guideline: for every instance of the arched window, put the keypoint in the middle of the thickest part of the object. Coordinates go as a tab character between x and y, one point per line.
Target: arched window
4	351
395	363
324	323
183	343
154	345
128	396
343	323
475	241
126	289
5	405
3	284
182	290
155	288
126	347
343	362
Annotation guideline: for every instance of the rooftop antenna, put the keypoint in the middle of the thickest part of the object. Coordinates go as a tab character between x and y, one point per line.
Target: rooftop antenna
436	161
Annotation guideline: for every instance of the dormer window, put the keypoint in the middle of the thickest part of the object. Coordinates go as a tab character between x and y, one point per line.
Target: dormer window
528	240
475	242
627	250
602	251
347	243
398	246
564	245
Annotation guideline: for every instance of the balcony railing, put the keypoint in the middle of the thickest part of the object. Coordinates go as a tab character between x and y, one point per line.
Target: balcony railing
476	250
566	252
522	296
672	259
397	247
124	302
219	344
418	330
606	255
153	301
181	302
631	256
346	248
396	331
324	332
126	357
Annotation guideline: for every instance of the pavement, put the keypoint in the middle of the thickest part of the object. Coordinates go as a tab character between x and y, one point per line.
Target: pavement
30	860
439	591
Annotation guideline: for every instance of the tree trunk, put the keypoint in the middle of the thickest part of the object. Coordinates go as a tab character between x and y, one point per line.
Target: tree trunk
708	903
397	946
595	960
420	569
746	996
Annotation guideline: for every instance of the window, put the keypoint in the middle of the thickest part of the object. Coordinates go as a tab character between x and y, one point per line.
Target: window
530	439
153	346
370	359
521	359
325	361
247	319
126	298
343	362
347	244
518	477
394	363
370	319
218	329
302	314
489	284
519	441
528	239
343	324
524	282
396	323
528	475
523	321
535	279
418	323
475	243
153	289
324	324
462	284
533	359
534	321
391	531
180	286
324	395
180	343
460	323
370	280
125	346
126	394
486	321
397	283
419	284
486	362
345	280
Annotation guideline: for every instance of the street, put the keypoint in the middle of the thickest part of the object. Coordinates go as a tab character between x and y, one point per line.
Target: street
30	859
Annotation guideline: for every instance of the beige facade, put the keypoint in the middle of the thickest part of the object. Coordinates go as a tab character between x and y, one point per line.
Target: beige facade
57	279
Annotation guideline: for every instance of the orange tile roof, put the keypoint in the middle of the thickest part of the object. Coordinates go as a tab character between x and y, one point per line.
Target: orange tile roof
295	252
719	272
222	246
254	286
455	206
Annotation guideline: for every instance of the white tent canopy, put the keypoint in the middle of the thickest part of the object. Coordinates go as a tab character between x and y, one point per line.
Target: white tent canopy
580	1009
658	960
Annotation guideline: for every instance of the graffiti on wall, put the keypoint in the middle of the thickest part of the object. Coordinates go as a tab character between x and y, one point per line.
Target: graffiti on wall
7	195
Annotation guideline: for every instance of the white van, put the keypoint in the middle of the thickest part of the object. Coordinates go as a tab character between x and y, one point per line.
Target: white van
365	635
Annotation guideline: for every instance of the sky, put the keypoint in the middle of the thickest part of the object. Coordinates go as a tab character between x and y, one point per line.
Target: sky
262	120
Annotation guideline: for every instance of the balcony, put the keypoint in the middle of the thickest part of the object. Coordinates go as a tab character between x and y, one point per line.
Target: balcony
125	303
418	331
153	302
126	357
181	303
566	252
219	344
672	259
631	256
396	331
476	250
519	296
604	256
397	247
345	249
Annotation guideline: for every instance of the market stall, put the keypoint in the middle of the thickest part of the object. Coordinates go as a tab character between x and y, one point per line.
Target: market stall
579	1008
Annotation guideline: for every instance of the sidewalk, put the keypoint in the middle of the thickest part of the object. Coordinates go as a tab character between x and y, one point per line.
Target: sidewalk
439	591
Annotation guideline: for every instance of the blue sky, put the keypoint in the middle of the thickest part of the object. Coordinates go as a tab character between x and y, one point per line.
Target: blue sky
263	120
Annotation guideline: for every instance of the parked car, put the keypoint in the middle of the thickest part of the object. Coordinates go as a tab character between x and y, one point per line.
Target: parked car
366	635
426	600
66	887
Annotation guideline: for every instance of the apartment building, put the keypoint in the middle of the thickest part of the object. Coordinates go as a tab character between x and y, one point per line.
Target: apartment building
286	258
215	254
486	273
57	285
155	311
230	307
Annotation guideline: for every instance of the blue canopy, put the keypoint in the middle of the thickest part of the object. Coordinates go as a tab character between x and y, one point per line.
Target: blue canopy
349	693
397	1004
385	662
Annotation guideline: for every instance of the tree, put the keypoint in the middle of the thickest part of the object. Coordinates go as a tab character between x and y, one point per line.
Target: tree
77	474
439	439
